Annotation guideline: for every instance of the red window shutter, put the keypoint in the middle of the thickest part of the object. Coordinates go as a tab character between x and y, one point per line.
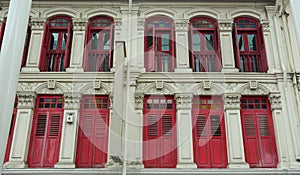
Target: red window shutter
150	50
42	64
54	125
218	51
10	136
236	46
264	62
167	125
41	125
152	126
2	33
68	46
201	126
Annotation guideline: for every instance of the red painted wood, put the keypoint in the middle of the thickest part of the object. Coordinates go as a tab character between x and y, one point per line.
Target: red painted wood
11	132
258	133
26	47
159	32
2	32
92	144
46	132
209	133
99	59
159	132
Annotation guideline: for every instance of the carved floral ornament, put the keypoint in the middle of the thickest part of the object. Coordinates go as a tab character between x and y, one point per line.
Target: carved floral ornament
79	24
275	100
26	100
184	101
37	23
139	100
72	100
232	100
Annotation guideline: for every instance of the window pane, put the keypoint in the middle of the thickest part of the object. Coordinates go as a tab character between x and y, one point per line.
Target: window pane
165	42
106	40
252	42
53	40
64	41
209	42
94	41
241	42
196	40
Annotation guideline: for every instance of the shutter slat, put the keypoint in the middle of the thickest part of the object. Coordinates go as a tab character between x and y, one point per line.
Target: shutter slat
41	125
215	125
263	125
54	125
249	125
152	125
88	124
201	126
167	125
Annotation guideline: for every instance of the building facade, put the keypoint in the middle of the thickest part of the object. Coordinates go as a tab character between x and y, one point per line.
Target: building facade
208	87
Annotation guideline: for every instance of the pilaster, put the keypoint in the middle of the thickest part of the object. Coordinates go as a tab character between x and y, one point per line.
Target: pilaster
69	131
35	45
184	131
21	135
77	50
182	42
228	62
235	145
140	43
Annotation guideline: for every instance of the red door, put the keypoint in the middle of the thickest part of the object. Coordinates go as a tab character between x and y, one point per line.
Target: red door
209	133
11	132
258	133
46	132
159	132
93	132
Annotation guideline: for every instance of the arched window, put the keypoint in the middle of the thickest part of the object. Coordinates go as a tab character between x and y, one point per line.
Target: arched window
204	45
56	46
249	47
99	44
159	45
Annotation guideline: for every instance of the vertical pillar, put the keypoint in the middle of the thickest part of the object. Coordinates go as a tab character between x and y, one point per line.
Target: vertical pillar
22	131
69	131
270	41
140	44
118	36
280	134
227	50
78	43
35	45
184	131
182	49
234	135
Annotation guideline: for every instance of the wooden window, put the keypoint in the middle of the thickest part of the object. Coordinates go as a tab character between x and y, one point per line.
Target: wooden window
249	46
159	45
258	133
99	44
92	144
11	131
159	132
209	132
26	45
205	54
56	44
46	132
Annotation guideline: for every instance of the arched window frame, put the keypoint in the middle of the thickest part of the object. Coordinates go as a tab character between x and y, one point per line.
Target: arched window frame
58	59
249	58
159	57
99	59
205	58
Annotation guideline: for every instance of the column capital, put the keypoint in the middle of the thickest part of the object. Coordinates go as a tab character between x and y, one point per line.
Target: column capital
72	100
26	99
270	10
141	24
79	24
118	23
139	100
37	23
266	25
225	25
232	100
184	100
182	25
275	100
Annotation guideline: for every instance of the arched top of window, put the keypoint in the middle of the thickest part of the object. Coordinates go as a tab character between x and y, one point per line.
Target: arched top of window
159	22
101	21
60	21
203	22
246	22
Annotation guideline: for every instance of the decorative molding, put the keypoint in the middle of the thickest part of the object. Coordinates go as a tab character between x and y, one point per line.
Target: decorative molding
154	89
79	24
183	101
266	25
159	85
182	26
275	100
51	84
248	89
232	100
72	100
139	100
206	85
270	11
141	24
97	84
95	88
225	25
37	23
26	99
28	86
208	88
118	23
253	85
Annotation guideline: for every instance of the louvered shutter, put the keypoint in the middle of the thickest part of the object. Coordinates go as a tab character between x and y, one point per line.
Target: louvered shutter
2	32
202	143
43	57
236	46
100	141
263	55
152	127
150	50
